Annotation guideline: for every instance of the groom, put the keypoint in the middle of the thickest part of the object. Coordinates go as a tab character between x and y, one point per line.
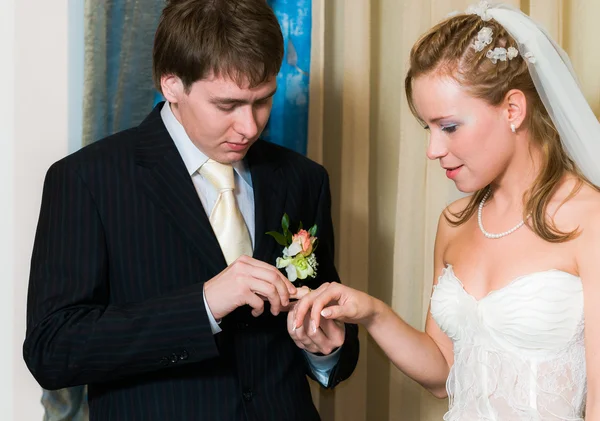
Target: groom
142	285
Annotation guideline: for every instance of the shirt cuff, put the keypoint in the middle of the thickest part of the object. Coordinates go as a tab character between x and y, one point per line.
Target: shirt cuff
322	365
214	325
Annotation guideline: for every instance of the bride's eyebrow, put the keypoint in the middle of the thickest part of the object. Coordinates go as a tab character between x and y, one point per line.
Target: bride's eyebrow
434	120
437	119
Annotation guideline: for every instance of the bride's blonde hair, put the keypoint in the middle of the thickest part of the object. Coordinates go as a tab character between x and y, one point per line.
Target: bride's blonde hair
447	50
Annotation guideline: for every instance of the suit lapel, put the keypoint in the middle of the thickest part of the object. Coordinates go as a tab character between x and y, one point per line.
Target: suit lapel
269	198
162	173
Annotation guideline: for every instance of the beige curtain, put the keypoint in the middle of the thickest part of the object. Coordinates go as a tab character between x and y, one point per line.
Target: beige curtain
386	196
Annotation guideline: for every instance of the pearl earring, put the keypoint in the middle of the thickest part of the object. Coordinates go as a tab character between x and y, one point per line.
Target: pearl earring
513	128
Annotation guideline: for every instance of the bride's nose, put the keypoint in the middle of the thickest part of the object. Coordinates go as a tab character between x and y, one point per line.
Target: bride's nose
437	147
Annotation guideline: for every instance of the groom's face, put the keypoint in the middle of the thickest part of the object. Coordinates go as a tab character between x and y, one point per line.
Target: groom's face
470	138
221	118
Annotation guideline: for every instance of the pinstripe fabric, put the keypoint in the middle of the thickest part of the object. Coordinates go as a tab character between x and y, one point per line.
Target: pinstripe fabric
122	250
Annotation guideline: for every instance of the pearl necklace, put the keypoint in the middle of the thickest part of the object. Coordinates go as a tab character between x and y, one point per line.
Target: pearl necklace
489	234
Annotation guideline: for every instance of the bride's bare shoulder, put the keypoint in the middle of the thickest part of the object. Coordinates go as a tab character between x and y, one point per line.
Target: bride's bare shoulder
454	210
458	205
576	207
450	214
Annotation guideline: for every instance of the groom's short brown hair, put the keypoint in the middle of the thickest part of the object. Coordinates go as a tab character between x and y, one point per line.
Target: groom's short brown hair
238	39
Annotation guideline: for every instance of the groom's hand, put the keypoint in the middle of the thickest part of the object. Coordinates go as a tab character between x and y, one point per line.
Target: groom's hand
248	281
324	339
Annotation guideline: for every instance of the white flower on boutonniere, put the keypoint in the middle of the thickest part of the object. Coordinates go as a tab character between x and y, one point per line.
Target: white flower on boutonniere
298	257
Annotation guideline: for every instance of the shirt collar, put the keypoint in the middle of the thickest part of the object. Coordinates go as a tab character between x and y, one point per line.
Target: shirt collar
193	158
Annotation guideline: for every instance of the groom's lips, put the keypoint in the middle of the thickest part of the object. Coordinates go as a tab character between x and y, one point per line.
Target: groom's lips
237	147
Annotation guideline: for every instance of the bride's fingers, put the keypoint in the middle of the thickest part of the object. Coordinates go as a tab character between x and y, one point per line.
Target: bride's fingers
333	312
300	310
329	296
305	304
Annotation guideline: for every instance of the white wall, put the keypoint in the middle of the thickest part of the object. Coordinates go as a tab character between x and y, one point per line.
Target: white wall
7	234
41	85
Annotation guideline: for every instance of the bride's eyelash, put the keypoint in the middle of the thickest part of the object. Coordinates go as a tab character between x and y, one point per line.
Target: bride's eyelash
451	128
448	129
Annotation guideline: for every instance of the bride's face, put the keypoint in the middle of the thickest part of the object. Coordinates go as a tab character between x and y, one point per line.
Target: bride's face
469	137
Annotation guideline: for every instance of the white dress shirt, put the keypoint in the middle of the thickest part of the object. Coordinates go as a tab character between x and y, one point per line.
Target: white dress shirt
193	159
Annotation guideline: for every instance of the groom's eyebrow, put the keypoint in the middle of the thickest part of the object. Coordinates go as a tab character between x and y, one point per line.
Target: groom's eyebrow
239	101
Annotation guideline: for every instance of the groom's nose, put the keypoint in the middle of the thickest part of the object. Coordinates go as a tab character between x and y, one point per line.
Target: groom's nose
245	122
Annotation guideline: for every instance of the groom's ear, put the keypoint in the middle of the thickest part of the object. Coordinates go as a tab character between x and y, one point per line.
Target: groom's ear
515	104
172	88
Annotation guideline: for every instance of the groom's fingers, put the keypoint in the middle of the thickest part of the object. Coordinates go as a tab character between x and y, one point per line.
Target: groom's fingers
335	332
323	340
289	306
320	341
272	269
270	277
289	309
266	289
257	304
300	293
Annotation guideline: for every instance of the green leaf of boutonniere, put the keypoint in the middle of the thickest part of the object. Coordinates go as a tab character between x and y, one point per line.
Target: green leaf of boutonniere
313	231
285	223
278	237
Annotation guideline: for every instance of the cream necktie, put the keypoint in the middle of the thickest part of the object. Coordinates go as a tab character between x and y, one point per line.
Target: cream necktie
226	219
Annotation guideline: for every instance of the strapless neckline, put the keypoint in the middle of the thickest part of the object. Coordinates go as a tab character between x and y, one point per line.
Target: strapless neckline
519	351
511	283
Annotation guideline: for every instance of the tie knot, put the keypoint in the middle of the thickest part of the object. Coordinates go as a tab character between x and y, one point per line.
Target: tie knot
220	175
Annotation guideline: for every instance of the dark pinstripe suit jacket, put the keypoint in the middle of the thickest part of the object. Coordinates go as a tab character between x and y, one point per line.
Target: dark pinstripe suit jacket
122	249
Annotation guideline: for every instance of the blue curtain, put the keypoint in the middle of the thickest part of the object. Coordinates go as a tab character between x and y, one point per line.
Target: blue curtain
118	89
288	125
66	404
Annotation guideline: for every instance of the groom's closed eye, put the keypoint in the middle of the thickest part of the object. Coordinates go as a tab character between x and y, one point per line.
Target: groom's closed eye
230	104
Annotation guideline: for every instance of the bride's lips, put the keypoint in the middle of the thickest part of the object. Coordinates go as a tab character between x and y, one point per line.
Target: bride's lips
452	172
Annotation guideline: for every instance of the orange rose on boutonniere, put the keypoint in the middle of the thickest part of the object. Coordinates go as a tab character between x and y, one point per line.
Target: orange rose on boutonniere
298	256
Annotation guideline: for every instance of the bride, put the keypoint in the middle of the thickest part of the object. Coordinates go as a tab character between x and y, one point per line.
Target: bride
516	263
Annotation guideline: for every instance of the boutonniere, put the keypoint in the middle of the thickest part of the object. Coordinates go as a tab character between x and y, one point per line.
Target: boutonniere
298	256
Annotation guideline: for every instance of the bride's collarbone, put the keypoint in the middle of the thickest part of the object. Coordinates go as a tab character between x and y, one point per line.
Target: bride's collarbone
480	283
483	268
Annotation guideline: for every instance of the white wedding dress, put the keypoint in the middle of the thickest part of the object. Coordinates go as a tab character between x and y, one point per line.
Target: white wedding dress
518	352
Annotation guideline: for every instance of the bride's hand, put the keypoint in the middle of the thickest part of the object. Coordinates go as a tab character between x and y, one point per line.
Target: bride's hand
335	301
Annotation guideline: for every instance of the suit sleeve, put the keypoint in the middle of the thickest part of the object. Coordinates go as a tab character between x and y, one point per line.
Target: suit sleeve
74	335
327	272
